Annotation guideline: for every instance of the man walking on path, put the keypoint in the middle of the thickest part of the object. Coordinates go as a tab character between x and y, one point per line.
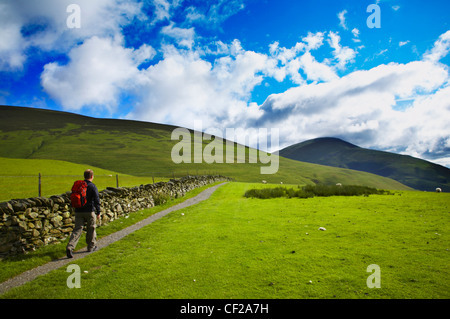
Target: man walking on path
86	214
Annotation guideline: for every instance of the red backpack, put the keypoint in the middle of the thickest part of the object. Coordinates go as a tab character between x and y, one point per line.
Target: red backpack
78	196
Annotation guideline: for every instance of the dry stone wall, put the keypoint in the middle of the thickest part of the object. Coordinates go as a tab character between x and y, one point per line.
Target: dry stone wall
26	224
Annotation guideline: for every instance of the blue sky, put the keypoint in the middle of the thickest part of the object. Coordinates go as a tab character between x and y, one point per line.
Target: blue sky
309	68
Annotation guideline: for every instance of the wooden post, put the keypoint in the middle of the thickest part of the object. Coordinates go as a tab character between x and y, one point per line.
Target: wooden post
39	187
153	177
117	180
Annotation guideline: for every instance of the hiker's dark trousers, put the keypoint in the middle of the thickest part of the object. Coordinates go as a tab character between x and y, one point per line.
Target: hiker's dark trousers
91	236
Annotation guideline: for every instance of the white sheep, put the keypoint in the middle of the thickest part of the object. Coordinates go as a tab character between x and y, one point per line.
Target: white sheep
264	182
338	184
438	190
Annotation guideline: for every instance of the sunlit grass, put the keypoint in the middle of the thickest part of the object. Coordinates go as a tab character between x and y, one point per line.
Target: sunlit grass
236	247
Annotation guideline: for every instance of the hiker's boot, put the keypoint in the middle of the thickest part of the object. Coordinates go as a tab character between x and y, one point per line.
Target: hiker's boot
92	249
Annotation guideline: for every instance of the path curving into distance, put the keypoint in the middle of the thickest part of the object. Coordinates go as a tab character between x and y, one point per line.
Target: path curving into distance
101	243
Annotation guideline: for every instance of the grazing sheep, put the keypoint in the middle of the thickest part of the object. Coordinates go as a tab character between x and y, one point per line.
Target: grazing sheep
264	182
438	190
281	182
338	184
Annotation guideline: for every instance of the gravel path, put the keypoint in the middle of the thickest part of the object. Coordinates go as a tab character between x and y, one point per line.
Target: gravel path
101	243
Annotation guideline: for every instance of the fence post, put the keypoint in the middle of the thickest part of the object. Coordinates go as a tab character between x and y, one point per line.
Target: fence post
153	177
117	180
39	187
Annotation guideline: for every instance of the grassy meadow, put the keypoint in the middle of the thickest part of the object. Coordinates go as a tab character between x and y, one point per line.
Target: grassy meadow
236	247
19	177
14	265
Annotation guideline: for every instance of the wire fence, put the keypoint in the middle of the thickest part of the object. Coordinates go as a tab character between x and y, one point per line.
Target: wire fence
26	186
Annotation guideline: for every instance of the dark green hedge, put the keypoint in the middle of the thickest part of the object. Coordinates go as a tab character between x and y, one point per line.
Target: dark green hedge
313	190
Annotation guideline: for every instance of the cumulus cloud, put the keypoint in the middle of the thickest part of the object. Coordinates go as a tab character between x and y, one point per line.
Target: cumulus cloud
96	74
43	24
12	44
343	55
183	37
299	59
314	70
360	107
313	40
182	88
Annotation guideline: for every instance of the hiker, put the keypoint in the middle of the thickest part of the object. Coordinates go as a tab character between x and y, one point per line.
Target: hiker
87	213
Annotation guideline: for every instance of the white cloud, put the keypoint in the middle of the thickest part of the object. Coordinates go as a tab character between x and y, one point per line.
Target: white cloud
214	12
343	55
184	37
402	43
314	70
143	54
222	10
11	44
183	87
161	12
313	41
440	49
43	24
341	16
96	74
299	58
355	33
359	107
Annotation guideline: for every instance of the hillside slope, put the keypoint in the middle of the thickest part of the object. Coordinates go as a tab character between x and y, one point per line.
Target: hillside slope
416	173
142	148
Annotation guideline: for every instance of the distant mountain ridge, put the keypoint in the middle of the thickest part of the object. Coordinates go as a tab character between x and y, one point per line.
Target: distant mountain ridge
144	149
413	172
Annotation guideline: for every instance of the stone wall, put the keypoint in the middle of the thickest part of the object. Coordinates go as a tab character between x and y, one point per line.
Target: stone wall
26	224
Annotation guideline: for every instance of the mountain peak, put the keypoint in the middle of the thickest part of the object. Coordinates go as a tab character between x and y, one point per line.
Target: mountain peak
331	151
329	141
317	147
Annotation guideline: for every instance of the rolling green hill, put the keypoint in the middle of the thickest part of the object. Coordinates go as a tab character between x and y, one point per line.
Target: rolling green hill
142	149
416	173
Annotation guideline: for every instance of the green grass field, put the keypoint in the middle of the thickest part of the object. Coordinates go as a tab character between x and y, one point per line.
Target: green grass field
19	177
236	247
17	264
